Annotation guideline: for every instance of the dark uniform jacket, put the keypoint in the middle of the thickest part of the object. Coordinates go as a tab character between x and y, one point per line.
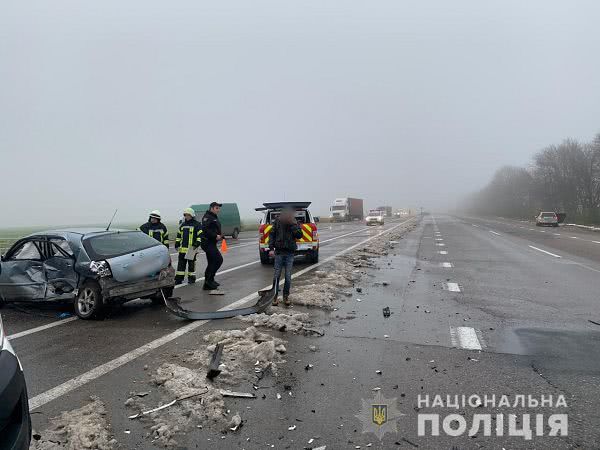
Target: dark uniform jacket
211	228
188	235
156	230
282	237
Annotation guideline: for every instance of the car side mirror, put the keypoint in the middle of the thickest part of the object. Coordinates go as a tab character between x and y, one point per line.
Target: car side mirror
316	220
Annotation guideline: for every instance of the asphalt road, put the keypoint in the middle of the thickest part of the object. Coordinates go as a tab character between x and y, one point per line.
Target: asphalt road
479	307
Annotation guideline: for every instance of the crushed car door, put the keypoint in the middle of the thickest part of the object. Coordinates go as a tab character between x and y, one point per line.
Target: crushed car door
23	276
59	268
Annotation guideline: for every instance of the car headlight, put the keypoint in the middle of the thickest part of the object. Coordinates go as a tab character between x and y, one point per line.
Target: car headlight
100	268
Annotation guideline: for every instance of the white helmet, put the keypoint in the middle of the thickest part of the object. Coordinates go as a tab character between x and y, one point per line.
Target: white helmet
155	214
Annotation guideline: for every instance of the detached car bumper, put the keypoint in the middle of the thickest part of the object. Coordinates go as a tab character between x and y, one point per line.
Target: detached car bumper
112	288
15	423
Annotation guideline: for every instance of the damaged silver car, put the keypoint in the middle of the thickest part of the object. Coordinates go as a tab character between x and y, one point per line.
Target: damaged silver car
90	268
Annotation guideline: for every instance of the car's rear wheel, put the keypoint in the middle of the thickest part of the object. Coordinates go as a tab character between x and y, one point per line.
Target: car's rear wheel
89	303
235	233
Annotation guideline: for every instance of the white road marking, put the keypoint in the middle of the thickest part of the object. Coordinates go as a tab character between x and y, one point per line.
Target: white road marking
465	337
103	369
542	231
438	239
443	252
477	226
446	264
596	242
556	234
492	231
544	251
573	237
531	229
12	337
440	244
452	287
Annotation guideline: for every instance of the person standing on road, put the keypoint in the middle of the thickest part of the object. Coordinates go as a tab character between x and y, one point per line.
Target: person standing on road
155	228
282	245
211	234
188	240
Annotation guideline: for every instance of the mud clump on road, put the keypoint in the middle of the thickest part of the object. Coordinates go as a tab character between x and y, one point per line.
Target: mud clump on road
280	321
85	427
248	355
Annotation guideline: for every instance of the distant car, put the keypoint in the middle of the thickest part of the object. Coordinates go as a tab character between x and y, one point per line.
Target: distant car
546	219
89	267
231	225
15	422
308	244
375	217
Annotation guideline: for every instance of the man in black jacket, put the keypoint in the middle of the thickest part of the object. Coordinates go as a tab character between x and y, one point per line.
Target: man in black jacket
211	234
155	228
282	243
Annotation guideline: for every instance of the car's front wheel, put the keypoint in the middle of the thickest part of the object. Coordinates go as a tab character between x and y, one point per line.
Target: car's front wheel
235	233
89	303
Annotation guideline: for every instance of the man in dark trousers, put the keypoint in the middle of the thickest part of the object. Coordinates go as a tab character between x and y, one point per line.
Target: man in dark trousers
282	245
211	234
155	228
187	242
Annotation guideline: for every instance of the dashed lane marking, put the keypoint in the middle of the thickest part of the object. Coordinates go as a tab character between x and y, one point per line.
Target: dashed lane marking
544	251
452	287
465	338
494	232
446	264
443	252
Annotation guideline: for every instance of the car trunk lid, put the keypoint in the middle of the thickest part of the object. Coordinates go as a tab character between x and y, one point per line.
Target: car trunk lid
139	264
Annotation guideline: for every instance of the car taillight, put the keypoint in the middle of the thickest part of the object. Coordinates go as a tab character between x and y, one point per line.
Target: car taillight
100	268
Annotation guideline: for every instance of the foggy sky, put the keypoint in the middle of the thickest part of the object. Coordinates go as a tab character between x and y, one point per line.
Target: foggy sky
140	105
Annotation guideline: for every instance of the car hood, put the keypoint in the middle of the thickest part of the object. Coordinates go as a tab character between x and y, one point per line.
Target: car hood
140	264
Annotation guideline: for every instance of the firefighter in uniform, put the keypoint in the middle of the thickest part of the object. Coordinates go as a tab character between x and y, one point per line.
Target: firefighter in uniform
211	234
188	236
155	228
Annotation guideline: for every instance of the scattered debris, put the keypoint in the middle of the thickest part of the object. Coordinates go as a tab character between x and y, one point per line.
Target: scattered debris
226	393
236	422
85	427
386	312
150	411
215	362
283	322
292	428
594	322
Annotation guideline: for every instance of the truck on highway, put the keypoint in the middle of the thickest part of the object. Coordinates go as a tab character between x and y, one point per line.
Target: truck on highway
387	210
346	209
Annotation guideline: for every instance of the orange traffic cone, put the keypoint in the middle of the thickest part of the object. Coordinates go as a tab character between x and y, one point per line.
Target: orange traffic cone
223	246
